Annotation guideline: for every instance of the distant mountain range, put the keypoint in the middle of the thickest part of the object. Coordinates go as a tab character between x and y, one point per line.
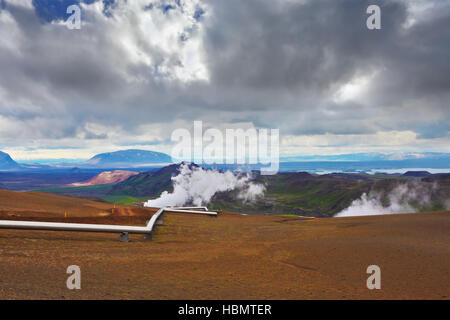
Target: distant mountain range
123	159
128	158
357	162
372	156
6	163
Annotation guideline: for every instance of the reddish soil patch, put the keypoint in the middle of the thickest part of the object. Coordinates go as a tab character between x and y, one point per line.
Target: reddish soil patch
106	177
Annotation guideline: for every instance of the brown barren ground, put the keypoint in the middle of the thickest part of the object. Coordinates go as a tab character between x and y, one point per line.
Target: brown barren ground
231	257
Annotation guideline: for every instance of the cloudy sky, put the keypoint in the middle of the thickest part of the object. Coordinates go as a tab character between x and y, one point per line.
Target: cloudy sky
137	70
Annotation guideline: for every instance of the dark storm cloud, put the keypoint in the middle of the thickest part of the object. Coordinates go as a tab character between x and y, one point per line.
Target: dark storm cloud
274	63
314	47
266	45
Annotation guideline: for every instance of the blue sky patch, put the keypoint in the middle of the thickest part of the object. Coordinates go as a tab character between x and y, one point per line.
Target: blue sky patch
168	7
198	13
50	10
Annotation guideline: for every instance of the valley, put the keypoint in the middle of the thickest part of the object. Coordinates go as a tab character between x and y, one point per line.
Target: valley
285	193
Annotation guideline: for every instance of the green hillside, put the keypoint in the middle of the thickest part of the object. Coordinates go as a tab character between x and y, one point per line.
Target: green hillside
298	193
147	184
286	193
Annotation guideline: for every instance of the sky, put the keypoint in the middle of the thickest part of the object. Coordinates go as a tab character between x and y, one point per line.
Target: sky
137	70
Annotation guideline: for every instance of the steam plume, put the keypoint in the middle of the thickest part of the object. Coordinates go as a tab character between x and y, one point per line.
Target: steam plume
404	198
197	186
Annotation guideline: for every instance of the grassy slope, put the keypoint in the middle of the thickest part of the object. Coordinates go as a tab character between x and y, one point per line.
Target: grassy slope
98	192
301	194
322	196
147	184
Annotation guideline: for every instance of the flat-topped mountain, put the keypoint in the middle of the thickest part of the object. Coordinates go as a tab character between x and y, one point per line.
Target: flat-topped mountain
128	159
416	174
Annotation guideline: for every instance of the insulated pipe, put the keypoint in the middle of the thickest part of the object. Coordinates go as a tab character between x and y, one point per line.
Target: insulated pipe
189	208
209	213
84	227
61	226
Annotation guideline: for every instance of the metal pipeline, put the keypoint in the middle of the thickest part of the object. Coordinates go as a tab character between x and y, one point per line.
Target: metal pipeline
156	219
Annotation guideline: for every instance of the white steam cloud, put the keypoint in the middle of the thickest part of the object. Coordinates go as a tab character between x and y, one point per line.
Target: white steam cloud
405	198
197	186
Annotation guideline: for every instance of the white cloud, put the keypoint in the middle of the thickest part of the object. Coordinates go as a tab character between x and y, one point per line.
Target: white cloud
130	78
152	38
21	3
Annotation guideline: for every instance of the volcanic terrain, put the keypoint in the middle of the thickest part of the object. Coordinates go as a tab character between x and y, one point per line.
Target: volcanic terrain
231	257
